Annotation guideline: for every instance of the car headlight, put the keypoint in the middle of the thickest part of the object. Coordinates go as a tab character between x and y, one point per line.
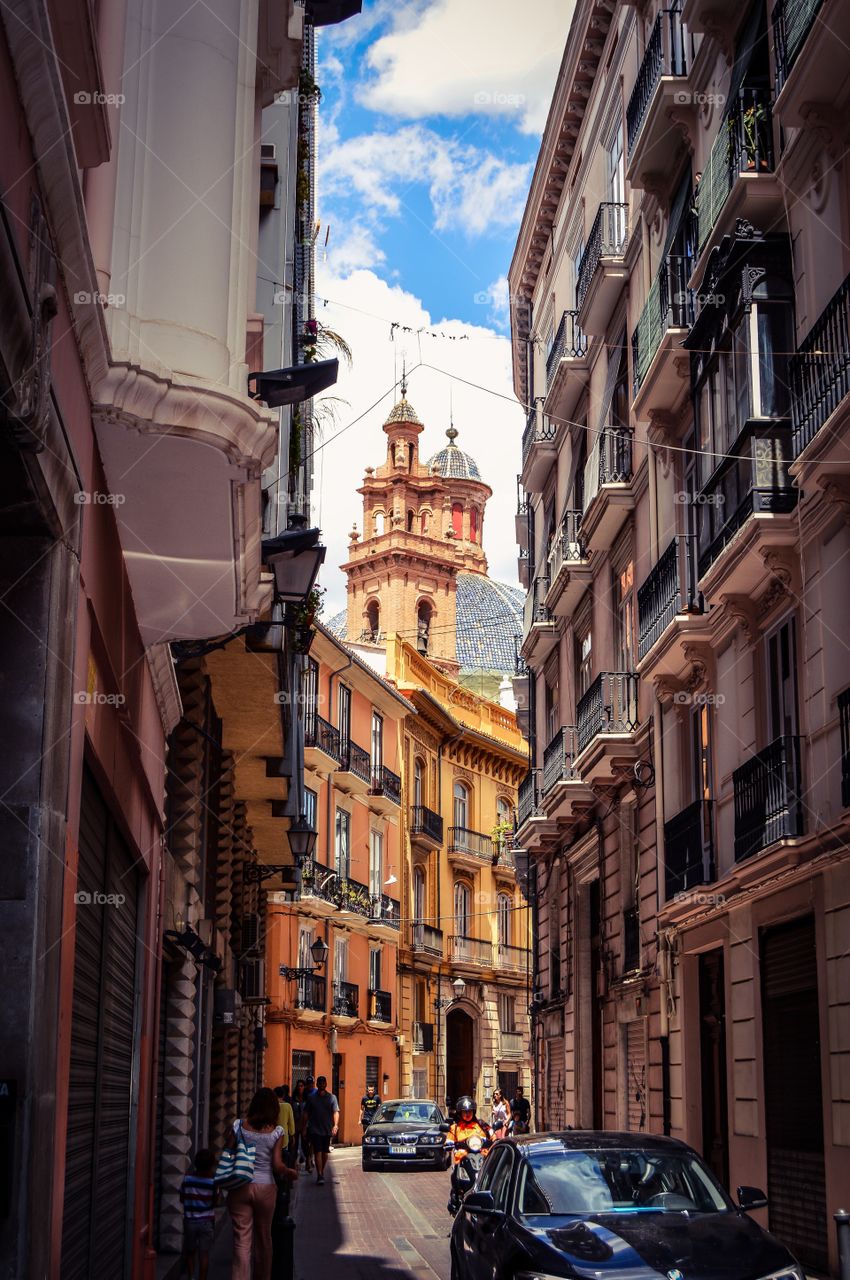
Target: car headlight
374	1139
432	1139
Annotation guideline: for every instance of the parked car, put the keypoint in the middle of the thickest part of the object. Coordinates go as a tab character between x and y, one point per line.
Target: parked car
609	1204
406	1131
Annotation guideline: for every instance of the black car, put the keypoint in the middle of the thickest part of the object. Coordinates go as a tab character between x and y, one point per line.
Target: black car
587	1204
406	1131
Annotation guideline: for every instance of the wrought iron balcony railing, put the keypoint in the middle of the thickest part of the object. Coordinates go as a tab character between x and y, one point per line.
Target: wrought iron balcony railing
744	144
538	430
558	759
353	759
844	722
609	706
768	802
472	950
462	840
527	797
608	237
423	1037
669	305
386	783
568	546
425	822
535	609
386	910
318	881
569	342
820	371
311	993
380	1006
666	55
346	999
615	455
792	22
427	938
322	735
688	849
511	957
670	589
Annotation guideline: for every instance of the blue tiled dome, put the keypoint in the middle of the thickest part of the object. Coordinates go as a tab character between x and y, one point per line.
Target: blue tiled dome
489	615
453	463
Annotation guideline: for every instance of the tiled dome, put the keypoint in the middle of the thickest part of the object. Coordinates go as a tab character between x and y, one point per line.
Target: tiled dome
453	463
489	615
403	412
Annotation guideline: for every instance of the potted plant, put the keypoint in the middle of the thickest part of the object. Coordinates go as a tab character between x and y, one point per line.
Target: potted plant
304	619
753	119
500	834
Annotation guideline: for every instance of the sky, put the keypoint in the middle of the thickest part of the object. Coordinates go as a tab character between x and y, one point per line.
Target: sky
429	127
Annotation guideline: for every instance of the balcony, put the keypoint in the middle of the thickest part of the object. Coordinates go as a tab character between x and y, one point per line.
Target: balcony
768	804
569	566
380	1006
328	892
844	724
539	634
423	1037
354	773
713	17
321	744
523	508
660	100
428	939
311	994
385	791
521	686
426	827
470	950
738	180
566	798
602	271
802	83
526	799
346	1000
670	609
386	915
470	848
661	368
609	497
688	850
515	959
606	720
539	450
566	367
820	383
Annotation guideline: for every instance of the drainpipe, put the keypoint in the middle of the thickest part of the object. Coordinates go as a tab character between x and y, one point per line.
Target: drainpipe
663	955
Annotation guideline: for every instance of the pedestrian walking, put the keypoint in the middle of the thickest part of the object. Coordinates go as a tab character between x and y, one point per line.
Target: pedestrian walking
252	1205
500	1116
309	1091
198	1198
297	1103
521	1111
369	1104
286	1118
322	1125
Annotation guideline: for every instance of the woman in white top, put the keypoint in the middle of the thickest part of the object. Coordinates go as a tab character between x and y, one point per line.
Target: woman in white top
501	1114
252	1205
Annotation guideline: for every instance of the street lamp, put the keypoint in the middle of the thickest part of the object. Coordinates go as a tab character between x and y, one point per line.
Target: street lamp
319	952
295	558
302	840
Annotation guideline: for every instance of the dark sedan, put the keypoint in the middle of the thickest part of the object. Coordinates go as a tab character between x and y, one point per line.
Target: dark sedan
406	1131
607	1205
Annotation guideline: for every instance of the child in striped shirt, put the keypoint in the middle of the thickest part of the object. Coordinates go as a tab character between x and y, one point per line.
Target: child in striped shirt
198	1197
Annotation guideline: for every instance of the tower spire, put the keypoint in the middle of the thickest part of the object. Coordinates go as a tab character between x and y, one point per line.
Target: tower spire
404	377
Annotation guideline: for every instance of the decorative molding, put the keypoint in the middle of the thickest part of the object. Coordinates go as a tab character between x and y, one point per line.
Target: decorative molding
742	611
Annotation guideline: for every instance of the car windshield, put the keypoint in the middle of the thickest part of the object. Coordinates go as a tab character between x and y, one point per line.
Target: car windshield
423	1112
622	1181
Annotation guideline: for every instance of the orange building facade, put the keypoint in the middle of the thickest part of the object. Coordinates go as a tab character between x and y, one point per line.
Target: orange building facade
341	1020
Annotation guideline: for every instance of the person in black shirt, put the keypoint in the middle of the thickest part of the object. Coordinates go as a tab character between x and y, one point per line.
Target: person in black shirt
369	1104
521	1111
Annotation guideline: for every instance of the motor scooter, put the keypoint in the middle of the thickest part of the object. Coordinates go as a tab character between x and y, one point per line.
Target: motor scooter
466	1162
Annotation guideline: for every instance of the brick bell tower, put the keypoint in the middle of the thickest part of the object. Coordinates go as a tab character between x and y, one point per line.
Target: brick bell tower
422	525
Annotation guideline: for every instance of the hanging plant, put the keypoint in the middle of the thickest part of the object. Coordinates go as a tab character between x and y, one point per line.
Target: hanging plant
307	613
307	86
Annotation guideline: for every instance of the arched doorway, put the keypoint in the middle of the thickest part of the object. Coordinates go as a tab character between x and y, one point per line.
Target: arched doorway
460	1064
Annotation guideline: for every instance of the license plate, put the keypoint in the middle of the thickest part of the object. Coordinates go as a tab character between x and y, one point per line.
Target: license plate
402	1151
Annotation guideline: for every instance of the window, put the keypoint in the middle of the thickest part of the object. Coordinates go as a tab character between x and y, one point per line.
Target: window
418	781
343	843
418	895
305	961
461	805
377	746
310	806
504	911
507	1012
461	908
423	521
423	626
473	524
553	715
344	716
303	1065
340	960
373	1072
782	681
616	176
310	694
378	523
376	863
504	821
373	620
623	587
584	659
420	1001
457	519
420	1082
410	518
374	968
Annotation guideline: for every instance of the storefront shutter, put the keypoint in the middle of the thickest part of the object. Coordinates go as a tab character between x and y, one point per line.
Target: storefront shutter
555	1083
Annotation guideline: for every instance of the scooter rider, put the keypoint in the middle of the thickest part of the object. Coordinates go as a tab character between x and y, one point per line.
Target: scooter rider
466	1126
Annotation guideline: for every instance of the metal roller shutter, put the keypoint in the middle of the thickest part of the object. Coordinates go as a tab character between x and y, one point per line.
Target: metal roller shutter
103	1037
635	1076
555	1083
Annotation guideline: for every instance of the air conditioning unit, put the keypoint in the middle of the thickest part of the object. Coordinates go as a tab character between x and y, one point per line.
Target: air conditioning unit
268	152
250	932
253	980
227	1007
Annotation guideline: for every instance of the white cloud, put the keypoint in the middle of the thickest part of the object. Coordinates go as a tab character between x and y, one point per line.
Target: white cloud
462	57
490	427
470	189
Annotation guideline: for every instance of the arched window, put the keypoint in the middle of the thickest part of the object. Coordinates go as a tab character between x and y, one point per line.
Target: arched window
504	822
410	519
473	524
457	519
423	625
418	781
373	620
503	918
410	455
379	523
423	521
460	811
462	909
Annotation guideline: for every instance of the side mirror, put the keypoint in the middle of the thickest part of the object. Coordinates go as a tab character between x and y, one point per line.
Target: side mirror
445	1128
750	1198
480	1202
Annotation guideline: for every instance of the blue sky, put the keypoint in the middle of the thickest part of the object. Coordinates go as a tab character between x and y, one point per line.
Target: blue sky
429	128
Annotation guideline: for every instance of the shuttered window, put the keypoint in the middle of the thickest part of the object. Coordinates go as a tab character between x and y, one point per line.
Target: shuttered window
635	1076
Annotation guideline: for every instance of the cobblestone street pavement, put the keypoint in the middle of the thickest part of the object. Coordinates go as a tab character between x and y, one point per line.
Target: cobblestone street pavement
380	1226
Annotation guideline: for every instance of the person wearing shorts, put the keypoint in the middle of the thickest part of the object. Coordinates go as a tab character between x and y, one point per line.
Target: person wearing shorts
322	1115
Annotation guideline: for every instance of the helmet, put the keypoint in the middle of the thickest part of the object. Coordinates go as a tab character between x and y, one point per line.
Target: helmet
465	1103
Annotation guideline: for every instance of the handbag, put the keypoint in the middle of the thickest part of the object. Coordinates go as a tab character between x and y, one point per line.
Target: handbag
236	1164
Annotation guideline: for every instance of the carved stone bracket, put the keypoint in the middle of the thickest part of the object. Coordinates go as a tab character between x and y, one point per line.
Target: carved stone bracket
742	611
837	494
701	678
